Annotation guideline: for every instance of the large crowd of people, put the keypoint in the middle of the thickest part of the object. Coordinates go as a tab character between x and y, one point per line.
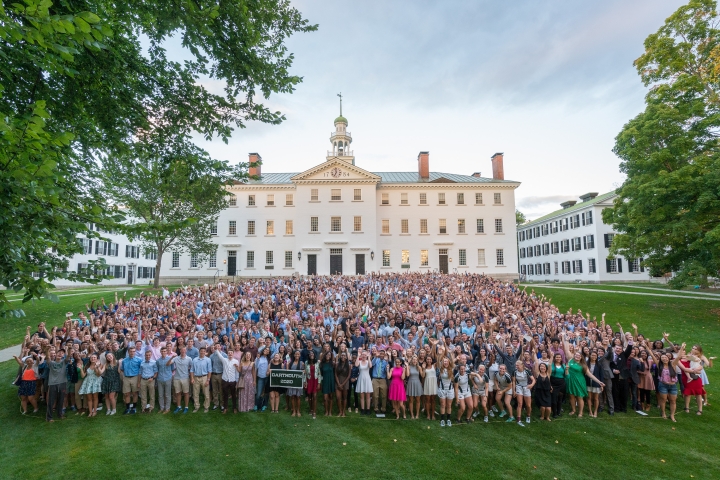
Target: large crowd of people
453	348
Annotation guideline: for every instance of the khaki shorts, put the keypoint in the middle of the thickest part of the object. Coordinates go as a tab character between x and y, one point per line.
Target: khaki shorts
181	385
130	384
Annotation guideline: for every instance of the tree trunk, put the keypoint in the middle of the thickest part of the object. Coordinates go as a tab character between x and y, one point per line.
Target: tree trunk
158	264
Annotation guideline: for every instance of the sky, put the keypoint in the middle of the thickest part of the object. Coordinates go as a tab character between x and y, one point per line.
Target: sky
549	83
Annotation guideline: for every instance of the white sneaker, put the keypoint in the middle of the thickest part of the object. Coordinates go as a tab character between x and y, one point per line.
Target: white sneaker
449	423
475	414
494	408
640	412
442	423
485	419
521	424
112	412
527	419
109	412
491	413
147	407
99	408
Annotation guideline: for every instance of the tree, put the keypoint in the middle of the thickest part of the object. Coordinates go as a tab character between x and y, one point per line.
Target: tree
77	86
519	218
668	209
171	192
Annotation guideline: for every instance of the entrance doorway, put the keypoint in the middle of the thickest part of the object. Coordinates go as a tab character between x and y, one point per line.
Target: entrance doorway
232	263
130	271
336	261
443	260
312	264
359	264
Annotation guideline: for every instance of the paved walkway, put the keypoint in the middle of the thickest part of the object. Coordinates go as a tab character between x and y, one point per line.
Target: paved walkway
689	292
717	299
8	353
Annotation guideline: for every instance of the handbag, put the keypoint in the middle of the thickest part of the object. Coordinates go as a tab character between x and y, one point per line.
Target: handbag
241	382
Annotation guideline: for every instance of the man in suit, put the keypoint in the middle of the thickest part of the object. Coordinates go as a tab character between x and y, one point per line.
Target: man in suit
636	366
607	393
620	373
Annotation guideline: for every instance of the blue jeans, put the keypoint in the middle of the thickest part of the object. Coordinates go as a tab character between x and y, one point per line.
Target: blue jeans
260	392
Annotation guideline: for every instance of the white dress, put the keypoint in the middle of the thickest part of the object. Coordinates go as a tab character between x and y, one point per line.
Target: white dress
430	386
364	383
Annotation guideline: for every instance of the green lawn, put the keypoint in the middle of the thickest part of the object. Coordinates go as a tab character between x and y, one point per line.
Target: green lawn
264	445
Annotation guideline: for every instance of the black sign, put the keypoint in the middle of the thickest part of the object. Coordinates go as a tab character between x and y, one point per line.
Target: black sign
286	378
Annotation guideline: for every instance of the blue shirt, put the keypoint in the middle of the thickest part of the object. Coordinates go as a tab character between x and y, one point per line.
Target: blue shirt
261	364
164	371
131	366
379	369
201	366
148	368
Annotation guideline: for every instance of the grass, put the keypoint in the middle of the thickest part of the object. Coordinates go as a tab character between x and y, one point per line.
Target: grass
253	445
645	289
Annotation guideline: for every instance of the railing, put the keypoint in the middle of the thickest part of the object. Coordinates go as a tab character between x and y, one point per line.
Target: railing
347	153
340	134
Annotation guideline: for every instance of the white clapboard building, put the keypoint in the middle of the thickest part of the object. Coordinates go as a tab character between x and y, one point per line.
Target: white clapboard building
338	218
572	244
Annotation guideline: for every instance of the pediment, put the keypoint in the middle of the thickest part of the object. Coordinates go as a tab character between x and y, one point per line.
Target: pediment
335	170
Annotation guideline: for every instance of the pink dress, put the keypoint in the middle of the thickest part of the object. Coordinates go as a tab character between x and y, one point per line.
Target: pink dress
247	394
397	386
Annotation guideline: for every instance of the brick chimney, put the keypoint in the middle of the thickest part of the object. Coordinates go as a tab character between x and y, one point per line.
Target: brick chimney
424	164
255	158
497	166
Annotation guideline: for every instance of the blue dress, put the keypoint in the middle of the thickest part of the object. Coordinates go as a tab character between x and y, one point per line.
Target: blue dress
92	383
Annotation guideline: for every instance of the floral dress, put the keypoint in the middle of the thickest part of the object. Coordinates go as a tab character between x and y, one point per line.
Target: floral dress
92	383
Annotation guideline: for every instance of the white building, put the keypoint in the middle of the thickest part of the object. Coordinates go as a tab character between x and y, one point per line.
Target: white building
125	260
572	244
336	217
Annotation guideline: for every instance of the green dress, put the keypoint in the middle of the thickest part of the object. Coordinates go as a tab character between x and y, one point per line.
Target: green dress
328	378
576	380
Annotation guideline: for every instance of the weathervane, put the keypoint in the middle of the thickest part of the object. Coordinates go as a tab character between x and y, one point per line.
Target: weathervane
340	95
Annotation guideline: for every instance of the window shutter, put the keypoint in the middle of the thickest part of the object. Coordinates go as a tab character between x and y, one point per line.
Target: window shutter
123	276
97	246
580	267
619	260
127	250
573	267
607	241
79	268
607	265
584	243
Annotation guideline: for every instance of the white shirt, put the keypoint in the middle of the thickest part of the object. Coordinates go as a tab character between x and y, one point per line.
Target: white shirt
230	373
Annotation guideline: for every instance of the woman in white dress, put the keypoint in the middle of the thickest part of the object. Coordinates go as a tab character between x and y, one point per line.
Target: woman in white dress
427	371
364	384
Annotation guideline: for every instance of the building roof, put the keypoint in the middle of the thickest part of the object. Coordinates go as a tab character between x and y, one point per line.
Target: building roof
564	211
341	119
387	177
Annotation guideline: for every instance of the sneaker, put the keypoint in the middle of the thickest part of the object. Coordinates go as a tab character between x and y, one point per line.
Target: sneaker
485	419
640	412
255	408
442	423
502	414
491	414
215	407
72	407
475	414
109	412
126	412
449	423
494	409
510	420
133	411
113	412
148	407
185	410
521	423
99	408
177	410
264	408
527	419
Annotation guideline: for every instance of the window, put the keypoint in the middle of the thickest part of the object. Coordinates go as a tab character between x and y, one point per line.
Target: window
609	239
577	244
498	225
500	257
530	251
250	259
335	224
537	250
132	251
151	254
270	228
251	200
523	269
386	226
193	260
441	199
462	254
546	249
213	228
555	247
288	227
146	272
522	252
634	265
269	257
481	257
423	225
289	200
480	225
232	227
404	226
531	270
313	224
478	199
357	195
546	229
405	257
270	200
335	194
175	259
589	217
497	198
288	258
251	227
86	245
566	267
424	258
423	199
386	258
565	246
212	260
589	242
577	266
461	199
314	195
106	248
385	199
461	225
556	268
403	199
357	224
232	201
592	268
443	225
546	268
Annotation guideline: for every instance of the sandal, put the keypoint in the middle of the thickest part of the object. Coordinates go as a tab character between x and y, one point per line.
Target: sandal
699	412
687	410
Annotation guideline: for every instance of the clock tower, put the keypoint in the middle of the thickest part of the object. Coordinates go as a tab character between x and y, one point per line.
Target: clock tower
341	140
